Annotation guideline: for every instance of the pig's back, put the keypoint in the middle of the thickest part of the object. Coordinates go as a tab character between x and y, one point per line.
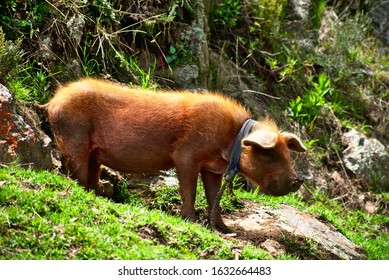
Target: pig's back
130	127
100	98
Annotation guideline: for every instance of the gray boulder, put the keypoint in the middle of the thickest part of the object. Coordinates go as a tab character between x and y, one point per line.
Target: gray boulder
270	228
366	157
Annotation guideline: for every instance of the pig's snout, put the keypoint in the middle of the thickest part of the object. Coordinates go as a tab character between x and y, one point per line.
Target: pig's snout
295	184
279	188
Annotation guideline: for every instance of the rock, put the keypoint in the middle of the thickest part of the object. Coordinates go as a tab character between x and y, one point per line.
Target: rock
45	48
76	25
136	182
262	223
162	178
195	37
273	247
366	158
298	9
167	178
18	140
108	174
380	19
105	189
370	207
186	75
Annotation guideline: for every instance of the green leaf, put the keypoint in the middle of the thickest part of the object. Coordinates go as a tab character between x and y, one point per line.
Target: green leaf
172	50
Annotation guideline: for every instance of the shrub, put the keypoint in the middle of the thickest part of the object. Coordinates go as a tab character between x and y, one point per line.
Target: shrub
226	14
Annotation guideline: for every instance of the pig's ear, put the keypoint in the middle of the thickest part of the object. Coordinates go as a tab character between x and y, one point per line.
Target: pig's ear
294	143
262	138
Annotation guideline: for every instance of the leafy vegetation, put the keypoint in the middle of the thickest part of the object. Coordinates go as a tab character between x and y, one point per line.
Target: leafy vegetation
306	109
227	14
57	48
289	59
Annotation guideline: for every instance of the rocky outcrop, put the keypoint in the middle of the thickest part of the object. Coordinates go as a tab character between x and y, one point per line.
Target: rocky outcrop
19	141
276	229
191	34
367	158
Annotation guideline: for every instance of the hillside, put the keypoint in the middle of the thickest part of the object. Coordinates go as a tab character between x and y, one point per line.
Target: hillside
46	216
319	68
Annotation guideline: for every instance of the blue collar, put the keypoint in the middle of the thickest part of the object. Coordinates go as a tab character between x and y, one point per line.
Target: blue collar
232	168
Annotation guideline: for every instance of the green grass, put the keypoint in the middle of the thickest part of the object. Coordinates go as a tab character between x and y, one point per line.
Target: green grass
47	216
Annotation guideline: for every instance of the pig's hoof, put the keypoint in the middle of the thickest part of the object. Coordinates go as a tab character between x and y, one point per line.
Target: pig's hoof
223	229
220	227
188	215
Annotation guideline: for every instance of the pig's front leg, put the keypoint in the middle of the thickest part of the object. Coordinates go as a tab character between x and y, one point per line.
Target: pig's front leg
212	183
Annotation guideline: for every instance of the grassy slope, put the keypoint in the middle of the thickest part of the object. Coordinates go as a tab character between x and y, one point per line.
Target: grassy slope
46	216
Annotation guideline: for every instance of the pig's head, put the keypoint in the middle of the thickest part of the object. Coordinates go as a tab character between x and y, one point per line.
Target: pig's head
265	159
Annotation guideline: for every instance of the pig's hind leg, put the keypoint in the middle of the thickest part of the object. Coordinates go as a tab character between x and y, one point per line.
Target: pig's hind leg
85	168
76	151
187	173
94	169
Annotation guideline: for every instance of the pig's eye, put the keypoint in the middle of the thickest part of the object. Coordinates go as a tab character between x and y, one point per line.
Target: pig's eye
293	158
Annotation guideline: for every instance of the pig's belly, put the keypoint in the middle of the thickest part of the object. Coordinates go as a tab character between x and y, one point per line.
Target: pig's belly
137	160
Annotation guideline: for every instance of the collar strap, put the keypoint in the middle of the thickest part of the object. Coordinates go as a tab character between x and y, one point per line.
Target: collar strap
232	168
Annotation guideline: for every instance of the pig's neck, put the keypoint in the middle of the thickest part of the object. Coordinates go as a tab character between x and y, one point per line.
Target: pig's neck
226	153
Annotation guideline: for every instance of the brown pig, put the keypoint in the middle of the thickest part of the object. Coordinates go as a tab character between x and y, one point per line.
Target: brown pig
138	131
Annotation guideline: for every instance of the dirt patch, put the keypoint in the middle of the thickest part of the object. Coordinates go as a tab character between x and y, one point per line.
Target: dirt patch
151	232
